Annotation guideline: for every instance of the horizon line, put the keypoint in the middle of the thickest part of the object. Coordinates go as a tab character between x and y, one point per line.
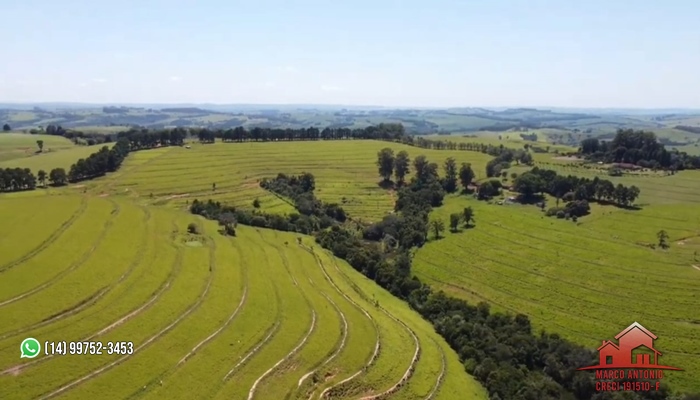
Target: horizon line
340	105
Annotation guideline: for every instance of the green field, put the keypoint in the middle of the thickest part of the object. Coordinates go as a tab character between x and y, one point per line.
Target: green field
255	316
260	316
21	150
345	173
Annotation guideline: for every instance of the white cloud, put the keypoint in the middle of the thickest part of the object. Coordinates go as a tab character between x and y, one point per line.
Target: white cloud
176	78
330	88
270	84
99	80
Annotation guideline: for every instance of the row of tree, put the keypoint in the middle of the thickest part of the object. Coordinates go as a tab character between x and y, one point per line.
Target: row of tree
140	139
637	147
399	166
97	164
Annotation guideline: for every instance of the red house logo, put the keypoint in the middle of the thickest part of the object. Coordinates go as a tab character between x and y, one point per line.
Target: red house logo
634	351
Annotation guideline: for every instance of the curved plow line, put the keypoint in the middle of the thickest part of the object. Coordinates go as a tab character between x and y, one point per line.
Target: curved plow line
136	350
251	393
416	355
283	256
252	352
90	300
340	347
377	345
67	224
438	382
411	368
66	313
70	269
216	332
20	367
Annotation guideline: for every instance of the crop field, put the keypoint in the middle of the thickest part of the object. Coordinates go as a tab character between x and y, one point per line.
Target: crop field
262	316
256	316
584	280
20	150
15	146
345	173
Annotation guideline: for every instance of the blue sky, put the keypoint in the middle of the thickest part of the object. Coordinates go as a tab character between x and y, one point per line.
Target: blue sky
564	53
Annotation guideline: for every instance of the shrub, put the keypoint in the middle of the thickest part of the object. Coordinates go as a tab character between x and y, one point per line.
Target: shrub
193	228
561	214
256	203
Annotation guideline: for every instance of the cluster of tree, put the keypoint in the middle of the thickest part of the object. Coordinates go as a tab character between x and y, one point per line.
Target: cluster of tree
503	161
569	188
99	163
529	136
691	129
140	139
16	179
467	216
637	147
300	189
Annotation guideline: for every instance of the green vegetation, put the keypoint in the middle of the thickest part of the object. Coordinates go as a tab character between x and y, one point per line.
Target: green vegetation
223	307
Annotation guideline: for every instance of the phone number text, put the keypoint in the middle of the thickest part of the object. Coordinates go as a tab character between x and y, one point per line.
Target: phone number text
62	348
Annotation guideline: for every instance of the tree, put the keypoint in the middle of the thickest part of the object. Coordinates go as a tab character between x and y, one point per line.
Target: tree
385	162
192	228
437	226
6	128
663	239
466	175
228	221
40	143
454	221
420	165
528	184
468	215
401	166
513	175
58	177
256	203
450	184
41	176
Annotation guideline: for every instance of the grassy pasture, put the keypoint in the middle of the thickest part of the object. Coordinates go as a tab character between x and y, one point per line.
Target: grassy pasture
21	153
585	280
14	146
209	316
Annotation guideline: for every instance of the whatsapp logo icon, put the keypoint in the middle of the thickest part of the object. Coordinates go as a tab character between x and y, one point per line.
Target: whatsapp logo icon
30	348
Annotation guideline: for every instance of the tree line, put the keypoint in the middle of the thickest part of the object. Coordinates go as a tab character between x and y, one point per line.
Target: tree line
637	147
313	214
97	164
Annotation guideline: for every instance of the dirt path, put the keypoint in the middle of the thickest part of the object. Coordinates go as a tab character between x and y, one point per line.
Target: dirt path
696	267
251	393
440	377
